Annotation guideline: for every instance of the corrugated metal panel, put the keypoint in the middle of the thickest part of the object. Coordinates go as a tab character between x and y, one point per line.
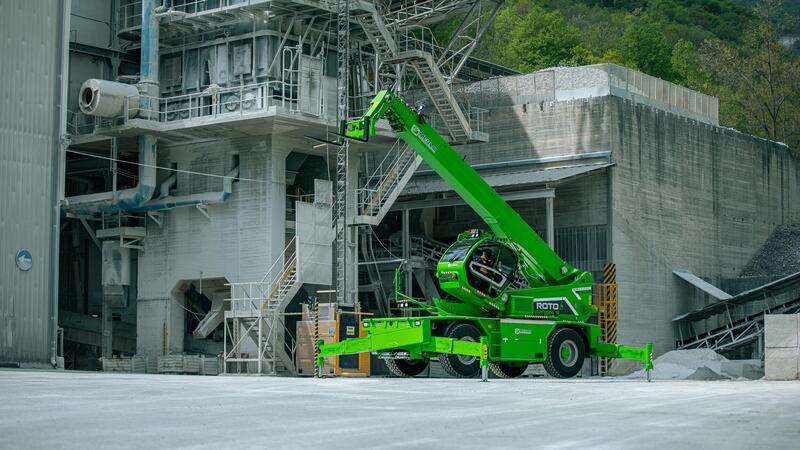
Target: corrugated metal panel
427	184
29	94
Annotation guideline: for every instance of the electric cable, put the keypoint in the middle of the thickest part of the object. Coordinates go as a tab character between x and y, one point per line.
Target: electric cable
170	169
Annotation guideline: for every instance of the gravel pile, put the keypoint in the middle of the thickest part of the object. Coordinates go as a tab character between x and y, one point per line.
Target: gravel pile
706	374
701	364
697	364
779	256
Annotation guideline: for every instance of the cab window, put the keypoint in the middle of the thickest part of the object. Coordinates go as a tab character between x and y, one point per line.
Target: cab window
458	251
507	262
491	268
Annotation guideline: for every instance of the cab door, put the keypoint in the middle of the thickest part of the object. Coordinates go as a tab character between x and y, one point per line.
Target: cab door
490	268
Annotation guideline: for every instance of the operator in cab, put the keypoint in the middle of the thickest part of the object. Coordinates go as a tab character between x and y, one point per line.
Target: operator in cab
487	259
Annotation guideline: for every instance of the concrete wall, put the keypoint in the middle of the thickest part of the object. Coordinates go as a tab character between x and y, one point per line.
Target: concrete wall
238	242
692	196
30	33
541	130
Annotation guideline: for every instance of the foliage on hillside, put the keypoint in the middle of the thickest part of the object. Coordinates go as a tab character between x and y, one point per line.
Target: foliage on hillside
727	48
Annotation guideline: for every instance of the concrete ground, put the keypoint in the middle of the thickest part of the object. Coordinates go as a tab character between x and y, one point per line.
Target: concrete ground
103	410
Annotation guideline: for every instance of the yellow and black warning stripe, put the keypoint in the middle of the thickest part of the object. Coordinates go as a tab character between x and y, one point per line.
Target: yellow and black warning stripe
316	338
610	273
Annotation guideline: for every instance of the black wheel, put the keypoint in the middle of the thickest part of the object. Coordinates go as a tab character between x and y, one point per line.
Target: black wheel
565	353
459	365
406	367
508	370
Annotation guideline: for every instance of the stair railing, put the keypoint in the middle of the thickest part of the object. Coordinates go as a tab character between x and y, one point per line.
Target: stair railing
248	298
385	178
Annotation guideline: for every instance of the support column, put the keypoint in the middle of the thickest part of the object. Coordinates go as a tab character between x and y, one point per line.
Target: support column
174	320
551	232
406	243
350	235
107	336
276	219
160	325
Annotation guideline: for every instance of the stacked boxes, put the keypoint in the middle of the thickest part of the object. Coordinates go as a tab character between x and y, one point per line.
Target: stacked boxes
179	364
782	346
304	356
134	364
210	365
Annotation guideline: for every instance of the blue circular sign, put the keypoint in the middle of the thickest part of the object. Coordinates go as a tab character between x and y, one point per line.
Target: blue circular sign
24	259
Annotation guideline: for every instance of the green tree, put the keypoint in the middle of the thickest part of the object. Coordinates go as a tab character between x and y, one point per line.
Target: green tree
645	47
686	68
536	38
760	80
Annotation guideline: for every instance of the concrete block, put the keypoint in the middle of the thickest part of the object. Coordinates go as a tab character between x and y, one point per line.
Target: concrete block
179	364
781	331
781	363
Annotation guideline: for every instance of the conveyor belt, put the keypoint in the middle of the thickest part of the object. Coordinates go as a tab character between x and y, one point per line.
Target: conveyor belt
740	318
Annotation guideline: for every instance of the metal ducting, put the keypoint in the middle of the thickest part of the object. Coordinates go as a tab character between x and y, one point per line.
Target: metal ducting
105	98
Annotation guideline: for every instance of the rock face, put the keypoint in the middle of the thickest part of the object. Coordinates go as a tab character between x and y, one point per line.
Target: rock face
779	256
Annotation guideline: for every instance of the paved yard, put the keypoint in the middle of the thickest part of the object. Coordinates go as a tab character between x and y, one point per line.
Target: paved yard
102	410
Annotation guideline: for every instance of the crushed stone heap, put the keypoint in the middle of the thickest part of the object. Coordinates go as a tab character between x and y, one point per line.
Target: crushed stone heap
701	364
779	256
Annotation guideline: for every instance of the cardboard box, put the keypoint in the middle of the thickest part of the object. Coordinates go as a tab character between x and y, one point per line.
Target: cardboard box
304	352
306	328
305	366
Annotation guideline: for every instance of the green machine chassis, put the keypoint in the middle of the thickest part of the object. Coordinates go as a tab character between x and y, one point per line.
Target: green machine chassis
511	300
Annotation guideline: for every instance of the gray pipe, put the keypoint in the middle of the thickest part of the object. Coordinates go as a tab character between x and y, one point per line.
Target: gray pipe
167	185
205	198
133	198
105	98
148	67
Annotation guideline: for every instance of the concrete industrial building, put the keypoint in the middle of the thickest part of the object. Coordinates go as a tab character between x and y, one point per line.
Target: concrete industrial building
196	213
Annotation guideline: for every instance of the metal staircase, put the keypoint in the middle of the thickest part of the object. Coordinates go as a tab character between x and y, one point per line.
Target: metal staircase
425	11
425	253
378	35
256	314
382	40
453	119
430	251
398	43
263	334
385	184
373	274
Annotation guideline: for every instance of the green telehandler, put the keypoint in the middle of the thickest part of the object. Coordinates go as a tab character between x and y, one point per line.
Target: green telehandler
511	300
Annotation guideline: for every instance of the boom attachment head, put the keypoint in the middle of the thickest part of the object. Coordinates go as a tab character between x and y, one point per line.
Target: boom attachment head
343	135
